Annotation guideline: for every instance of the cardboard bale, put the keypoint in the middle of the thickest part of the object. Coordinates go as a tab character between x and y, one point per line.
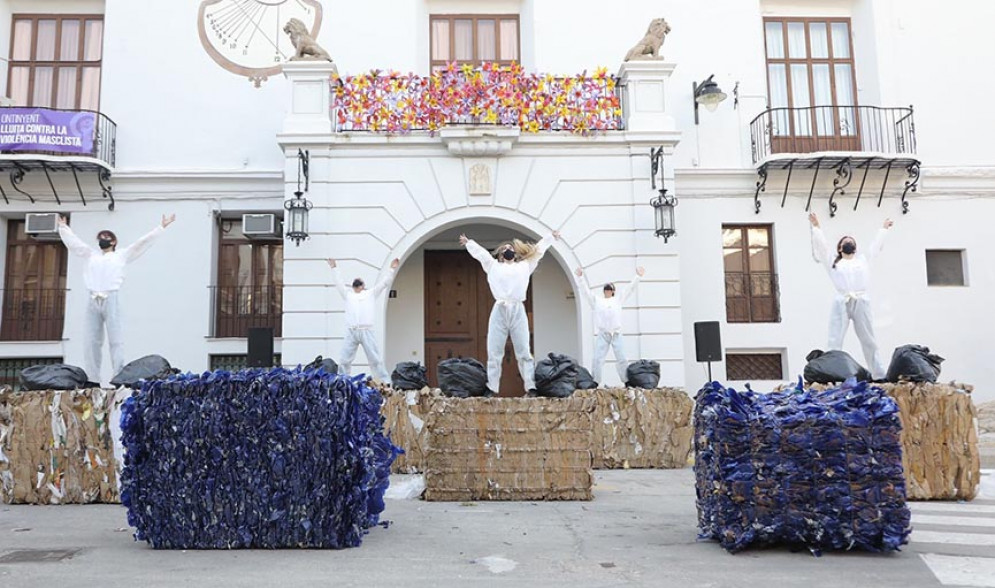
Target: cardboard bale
509	449
57	447
940	453
986	418
636	428
405	414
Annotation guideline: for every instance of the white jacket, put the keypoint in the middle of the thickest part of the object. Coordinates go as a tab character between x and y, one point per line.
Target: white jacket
850	277
105	272
509	282
608	311
360	309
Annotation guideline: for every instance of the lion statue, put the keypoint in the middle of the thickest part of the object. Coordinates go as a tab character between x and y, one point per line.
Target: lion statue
651	42
307	48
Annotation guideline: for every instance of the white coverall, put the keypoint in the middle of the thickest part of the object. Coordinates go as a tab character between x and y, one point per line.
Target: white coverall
103	275
608	328
509	283
360	312
852	280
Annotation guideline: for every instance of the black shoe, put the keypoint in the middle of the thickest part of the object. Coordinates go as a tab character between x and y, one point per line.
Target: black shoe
532	393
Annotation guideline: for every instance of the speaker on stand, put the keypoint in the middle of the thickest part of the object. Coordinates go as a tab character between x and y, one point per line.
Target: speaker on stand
260	352
707	344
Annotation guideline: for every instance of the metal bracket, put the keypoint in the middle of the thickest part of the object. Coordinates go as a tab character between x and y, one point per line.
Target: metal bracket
103	177
911	185
884	184
815	176
51	185
844	174
16	177
784	197
761	187
656	166
867	169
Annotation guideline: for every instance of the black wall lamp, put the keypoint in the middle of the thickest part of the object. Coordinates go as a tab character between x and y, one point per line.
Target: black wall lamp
707	94
663	204
298	207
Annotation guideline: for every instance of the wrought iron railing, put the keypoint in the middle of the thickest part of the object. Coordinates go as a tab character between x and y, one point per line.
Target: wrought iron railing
99	128
237	308
867	129
394	103
752	297
32	314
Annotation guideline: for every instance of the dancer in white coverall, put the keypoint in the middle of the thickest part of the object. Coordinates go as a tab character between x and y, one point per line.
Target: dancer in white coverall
850	273
508	271
103	275
360	310
608	323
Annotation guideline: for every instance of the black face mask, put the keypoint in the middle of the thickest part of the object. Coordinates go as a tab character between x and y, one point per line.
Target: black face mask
357	283
509	254
105	243
848	248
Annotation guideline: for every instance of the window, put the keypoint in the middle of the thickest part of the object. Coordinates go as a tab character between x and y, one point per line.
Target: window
945	267
10	368
55	61
473	39
751	281
250	282
34	295
747	367
810	69
234	363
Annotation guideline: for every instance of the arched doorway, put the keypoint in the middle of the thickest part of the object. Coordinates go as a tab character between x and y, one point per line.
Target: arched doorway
443	303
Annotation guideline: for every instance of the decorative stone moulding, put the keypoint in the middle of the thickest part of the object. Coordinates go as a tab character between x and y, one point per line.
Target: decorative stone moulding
479	141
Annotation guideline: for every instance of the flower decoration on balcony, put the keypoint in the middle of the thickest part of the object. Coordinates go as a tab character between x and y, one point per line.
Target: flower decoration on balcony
395	103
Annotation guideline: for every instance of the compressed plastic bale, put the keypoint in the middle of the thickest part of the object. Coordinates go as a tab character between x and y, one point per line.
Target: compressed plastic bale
150	367
53	377
463	378
643	374
409	375
833	367
914	363
820	469
254	459
556	376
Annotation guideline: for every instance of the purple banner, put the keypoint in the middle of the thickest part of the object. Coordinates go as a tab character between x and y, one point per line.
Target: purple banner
43	129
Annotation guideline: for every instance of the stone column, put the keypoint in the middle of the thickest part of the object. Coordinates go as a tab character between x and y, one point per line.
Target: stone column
644	99
310	97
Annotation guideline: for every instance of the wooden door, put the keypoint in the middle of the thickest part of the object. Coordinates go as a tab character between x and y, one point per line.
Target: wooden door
458	304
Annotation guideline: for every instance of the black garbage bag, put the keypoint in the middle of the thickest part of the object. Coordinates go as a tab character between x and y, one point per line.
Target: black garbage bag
150	367
585	381
914	363
643	374
829	367
556	376
409	375
53	377
328	363
463	377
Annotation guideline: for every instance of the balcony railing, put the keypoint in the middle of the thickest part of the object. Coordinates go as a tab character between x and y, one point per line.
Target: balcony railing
394	103
752	297
815	129
58	134
237	308
33	314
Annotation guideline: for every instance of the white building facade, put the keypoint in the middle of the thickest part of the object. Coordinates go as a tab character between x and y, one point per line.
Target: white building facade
819	91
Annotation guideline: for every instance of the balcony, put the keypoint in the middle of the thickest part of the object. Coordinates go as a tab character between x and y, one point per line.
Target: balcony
59	146
32	314
840	139
237	308
503	96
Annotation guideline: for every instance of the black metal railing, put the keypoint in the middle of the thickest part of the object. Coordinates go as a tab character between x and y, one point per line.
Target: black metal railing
752	297
237	308
101	130
32	314
867	129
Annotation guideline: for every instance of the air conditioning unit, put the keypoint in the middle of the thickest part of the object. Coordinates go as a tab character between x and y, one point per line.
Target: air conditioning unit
44	227
260	225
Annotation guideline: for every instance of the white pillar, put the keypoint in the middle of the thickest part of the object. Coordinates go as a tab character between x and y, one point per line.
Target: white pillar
309	111
645	104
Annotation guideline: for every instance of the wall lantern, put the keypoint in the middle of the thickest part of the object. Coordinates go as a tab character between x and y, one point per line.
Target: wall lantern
708	95
299	207
663	204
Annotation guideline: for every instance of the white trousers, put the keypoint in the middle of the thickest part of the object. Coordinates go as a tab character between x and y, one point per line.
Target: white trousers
365	337
103	314
602	342
857	310
509	319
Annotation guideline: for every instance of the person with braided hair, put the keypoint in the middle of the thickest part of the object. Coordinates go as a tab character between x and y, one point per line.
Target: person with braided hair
850	272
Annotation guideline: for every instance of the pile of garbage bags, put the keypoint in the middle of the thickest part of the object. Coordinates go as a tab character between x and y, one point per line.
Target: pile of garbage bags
821	470
556	376
150	367
53	377
833	367
643	374
254	459
914	363
463	377
409	375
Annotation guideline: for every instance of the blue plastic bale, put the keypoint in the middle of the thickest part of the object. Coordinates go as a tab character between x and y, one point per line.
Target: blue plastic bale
821	470
254	459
